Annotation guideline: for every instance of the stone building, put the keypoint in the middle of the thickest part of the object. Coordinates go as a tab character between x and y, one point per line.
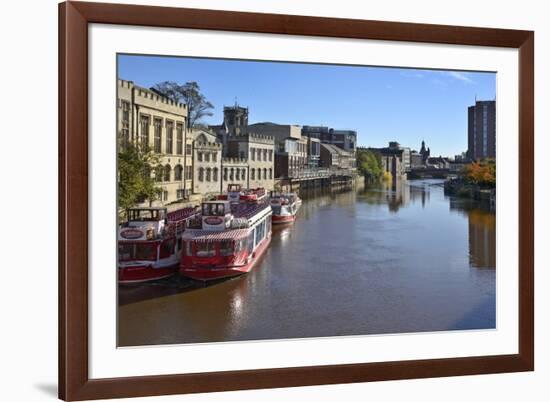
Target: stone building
344	139
207	159
393	159
335	157
234	171
151	121
291	153
259	150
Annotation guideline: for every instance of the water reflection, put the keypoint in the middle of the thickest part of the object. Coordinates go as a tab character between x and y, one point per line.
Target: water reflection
386	259
481	232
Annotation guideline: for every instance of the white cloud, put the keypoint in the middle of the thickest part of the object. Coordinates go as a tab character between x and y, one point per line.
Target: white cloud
460	76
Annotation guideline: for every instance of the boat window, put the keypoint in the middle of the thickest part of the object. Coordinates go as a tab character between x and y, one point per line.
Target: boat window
205	249
226	247
240	245
187	249
167	248
276	209
251	241
146	251
125	251
213	209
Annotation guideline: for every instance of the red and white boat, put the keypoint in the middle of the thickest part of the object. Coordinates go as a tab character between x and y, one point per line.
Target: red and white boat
284	206
149	243
235	193
227	240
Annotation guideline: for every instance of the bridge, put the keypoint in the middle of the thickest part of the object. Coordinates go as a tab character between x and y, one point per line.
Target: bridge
429	173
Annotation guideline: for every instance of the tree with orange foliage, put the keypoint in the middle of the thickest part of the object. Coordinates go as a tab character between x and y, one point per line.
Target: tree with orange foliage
482	173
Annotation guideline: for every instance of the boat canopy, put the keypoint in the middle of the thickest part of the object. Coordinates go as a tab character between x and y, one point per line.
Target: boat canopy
209	236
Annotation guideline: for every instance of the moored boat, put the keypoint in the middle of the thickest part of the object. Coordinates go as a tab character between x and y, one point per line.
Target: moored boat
235	193
227	240
149	243
284	206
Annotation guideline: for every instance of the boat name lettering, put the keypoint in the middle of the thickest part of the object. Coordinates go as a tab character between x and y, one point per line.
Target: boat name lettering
131	234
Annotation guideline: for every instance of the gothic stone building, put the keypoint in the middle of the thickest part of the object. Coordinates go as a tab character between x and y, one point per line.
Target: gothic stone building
152	121
207	159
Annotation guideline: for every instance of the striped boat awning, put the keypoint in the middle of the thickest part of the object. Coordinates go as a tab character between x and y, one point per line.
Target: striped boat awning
209	235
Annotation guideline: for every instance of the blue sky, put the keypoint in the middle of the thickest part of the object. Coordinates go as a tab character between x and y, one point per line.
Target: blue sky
382	104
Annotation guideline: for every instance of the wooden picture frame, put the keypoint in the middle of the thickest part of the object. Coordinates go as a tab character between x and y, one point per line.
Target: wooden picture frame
74	381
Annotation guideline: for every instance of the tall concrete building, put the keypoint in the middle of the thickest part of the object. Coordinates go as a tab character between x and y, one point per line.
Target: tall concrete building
482	130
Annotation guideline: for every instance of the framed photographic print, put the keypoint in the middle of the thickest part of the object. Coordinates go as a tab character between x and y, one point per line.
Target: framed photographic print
260	200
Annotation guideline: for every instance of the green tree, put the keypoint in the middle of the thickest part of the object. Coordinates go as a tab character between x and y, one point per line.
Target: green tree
369	164
135	182
189	93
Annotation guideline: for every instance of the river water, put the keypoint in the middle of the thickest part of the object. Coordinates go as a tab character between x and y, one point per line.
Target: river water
385	259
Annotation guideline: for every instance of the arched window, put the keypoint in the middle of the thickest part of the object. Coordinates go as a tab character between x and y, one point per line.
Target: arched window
237	174
232	174
167	172
159	171
201	174
265	173
252	174
215	174
208	174
270	173
178	172
225	174
243	174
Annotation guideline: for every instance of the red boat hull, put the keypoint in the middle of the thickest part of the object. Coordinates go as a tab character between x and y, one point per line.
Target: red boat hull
144	273
283	218
212	274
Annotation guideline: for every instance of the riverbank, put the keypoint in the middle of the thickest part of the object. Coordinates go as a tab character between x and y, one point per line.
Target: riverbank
463	189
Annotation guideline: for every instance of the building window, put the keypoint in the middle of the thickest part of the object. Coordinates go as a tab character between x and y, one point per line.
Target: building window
144	128
165	195
167	171
208	174
270	173
265	154
125	128
158	173
207	156
201	174
157	133
243	174
270	155
265	173
179	139
199	156
169	137
259	154
188	172
225	174
188	149
232	174
252	174
214	157
178	170
259	174
215	174
180	193
253	154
